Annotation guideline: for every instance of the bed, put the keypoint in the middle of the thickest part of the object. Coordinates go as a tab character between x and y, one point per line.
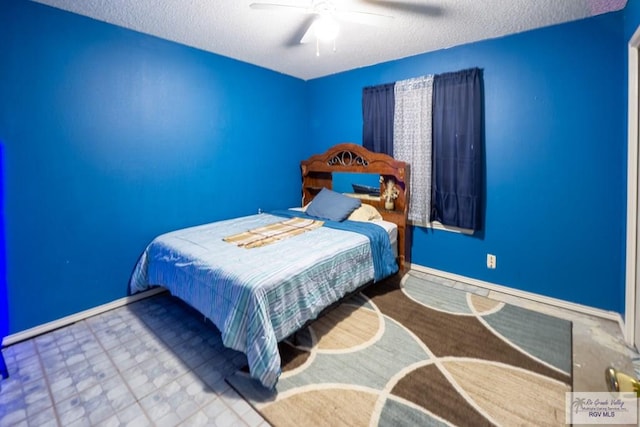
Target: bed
260	290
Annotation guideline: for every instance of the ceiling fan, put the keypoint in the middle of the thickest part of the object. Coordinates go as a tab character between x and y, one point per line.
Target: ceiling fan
326	18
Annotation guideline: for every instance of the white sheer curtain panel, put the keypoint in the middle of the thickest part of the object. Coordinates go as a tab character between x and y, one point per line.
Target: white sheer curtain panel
412	141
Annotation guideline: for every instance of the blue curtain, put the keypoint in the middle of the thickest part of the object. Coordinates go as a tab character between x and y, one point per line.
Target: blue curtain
456	191
377	118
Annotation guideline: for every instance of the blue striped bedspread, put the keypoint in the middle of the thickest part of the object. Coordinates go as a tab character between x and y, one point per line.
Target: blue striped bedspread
259	296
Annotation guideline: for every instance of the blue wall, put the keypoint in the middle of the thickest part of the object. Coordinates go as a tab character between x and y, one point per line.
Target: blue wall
631	18
4	304
112	137
555	138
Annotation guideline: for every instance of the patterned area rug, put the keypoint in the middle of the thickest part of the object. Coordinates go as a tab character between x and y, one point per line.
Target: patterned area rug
411	352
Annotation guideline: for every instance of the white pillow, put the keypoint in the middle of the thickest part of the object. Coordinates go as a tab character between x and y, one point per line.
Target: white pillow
365	213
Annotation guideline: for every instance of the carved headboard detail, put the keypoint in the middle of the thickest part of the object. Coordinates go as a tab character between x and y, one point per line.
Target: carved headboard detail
317	172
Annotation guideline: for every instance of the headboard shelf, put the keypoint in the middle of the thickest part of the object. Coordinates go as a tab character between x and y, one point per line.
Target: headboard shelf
317	173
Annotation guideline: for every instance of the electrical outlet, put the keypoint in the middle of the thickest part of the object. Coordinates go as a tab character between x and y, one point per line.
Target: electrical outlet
491	261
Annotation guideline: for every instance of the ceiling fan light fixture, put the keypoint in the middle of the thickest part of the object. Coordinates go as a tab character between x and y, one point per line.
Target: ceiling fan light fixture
326	28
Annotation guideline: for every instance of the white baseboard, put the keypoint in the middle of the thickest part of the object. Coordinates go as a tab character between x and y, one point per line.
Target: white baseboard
68	320
554	302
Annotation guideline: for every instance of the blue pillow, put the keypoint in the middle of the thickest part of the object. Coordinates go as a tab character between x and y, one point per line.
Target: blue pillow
332	206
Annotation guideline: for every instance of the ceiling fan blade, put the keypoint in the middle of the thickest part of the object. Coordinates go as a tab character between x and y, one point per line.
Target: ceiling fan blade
280	7
309	34
365	18
293	39
409	7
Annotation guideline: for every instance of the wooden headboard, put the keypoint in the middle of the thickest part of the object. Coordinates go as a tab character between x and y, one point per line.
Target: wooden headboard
317	172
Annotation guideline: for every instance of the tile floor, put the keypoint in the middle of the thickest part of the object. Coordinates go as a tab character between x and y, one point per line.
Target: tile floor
152	363
157	363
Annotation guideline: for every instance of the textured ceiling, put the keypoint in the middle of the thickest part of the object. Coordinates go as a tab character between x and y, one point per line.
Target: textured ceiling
270	39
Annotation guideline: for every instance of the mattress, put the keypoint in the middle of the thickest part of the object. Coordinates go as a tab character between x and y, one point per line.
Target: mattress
392	232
